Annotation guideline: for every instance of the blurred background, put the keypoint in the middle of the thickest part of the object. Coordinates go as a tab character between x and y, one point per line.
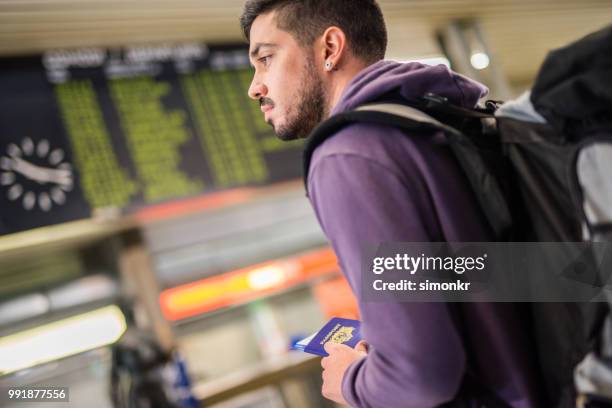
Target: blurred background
154	234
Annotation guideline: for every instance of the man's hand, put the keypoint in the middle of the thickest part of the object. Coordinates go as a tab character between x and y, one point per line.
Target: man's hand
339	359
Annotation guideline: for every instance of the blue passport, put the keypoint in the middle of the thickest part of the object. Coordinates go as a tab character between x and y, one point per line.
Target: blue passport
337	330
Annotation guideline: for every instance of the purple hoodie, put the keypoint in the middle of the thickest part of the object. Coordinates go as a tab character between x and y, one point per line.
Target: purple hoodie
374	184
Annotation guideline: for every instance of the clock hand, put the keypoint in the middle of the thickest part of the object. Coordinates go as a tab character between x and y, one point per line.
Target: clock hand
59	176
40	174
28	170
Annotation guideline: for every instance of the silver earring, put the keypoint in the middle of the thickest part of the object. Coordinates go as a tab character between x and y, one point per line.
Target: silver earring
328	65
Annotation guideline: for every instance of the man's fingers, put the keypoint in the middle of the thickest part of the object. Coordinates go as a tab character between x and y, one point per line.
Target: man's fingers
324	362
329	347
362	346
325	392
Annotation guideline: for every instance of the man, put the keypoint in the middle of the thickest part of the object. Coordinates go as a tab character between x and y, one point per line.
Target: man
316	58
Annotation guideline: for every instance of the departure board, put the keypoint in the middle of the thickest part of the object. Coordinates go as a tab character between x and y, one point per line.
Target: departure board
87	129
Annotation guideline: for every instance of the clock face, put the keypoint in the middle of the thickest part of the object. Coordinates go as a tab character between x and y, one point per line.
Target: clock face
35	175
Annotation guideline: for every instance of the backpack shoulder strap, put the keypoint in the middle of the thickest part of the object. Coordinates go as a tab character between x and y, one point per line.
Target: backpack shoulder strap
484	184
387	114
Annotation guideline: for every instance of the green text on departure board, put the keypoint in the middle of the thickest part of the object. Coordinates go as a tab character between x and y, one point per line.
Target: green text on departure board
104	182
154	136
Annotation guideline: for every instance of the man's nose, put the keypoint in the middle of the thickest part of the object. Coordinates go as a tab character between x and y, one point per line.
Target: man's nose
257	90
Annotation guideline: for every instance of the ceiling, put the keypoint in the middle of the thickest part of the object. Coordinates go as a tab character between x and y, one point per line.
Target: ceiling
519	32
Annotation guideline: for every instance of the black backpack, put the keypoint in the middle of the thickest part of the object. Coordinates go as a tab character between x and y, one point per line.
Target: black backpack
542	174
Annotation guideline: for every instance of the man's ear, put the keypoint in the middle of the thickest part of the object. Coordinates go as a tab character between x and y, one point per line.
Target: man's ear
333	42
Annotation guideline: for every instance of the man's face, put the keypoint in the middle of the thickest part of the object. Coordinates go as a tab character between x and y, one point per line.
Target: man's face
286	82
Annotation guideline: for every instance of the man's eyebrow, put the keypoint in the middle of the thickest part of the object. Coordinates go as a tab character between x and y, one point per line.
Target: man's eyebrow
259	46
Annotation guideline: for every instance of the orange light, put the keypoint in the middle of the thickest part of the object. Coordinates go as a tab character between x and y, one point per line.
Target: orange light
268	276
336	298
244	284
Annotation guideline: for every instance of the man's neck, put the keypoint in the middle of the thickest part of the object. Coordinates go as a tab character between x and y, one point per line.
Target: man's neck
342	77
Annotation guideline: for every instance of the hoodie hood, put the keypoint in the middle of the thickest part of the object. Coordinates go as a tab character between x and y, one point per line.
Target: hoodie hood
411	81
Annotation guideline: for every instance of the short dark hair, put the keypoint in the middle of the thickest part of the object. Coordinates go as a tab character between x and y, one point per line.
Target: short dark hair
361	20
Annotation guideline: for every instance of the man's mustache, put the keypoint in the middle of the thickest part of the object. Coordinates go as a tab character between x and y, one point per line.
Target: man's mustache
266	101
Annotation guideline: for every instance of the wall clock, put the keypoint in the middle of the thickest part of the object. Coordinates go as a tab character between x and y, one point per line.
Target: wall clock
35	175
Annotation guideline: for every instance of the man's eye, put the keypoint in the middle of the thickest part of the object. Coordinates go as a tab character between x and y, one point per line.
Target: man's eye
264	60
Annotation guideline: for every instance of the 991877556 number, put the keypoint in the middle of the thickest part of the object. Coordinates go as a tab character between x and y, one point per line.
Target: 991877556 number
37	393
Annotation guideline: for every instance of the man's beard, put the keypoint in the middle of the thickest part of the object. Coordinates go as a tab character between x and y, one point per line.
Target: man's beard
308	112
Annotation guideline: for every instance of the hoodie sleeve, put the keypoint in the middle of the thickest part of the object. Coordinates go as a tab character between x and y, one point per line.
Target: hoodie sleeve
416	358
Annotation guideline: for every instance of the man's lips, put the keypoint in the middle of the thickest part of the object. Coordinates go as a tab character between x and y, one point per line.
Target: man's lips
265	109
